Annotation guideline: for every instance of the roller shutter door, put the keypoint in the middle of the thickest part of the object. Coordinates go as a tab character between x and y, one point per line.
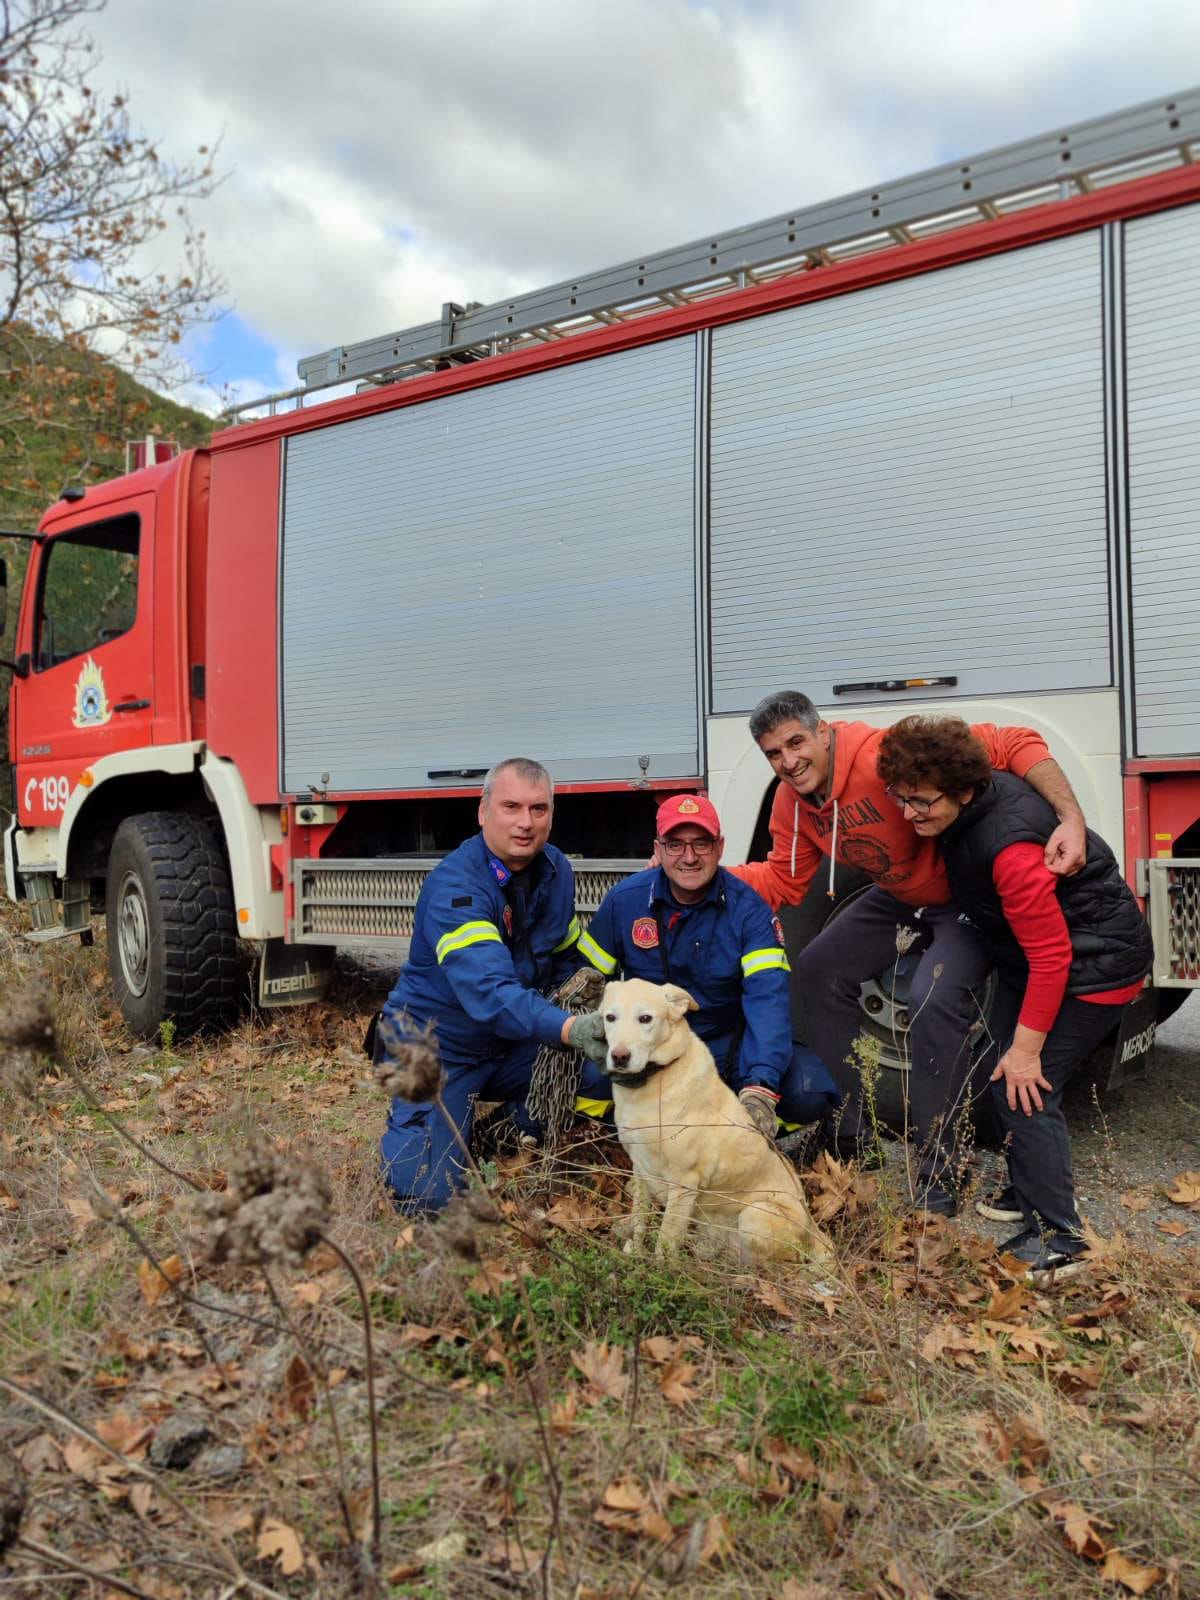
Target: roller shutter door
909	481
509	571
1162	340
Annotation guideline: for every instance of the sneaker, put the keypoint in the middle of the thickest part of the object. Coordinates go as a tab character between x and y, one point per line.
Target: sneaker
1045	1262
937	1199
1001	1206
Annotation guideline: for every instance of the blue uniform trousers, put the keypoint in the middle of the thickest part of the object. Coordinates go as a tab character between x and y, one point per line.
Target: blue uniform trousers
806	1090
421	1157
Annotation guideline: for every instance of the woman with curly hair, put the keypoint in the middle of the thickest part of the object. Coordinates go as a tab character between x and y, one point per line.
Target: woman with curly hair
1067	950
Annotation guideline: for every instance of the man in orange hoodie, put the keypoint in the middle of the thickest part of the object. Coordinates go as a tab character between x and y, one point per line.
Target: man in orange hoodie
832	806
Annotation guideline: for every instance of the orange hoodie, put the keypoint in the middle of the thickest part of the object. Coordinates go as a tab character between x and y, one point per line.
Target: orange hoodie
860	827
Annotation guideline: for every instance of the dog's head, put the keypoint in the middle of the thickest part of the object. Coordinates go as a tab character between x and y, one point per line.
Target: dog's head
644	1025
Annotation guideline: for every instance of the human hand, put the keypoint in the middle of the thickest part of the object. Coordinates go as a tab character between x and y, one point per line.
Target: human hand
1066	848
1023	1078
760	1103
586	1034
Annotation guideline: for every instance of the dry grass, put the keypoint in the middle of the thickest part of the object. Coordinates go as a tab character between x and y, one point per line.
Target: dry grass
556	1419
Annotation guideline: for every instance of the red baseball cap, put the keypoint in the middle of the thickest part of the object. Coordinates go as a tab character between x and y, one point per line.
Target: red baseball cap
694	808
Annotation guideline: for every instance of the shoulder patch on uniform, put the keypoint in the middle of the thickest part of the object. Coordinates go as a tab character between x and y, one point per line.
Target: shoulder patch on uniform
644	933
778	926
461	900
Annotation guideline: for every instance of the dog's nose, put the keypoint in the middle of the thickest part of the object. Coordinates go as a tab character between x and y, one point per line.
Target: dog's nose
620	1056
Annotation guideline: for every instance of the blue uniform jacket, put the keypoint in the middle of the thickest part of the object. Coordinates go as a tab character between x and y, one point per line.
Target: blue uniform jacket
475	967
726	951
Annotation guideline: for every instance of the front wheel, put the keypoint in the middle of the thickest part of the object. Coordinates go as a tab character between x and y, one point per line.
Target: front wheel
172	935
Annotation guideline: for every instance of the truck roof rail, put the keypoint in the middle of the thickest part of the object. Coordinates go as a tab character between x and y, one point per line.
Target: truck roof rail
1151	137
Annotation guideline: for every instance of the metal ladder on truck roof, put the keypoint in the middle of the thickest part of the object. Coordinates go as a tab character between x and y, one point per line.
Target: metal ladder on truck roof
1148	138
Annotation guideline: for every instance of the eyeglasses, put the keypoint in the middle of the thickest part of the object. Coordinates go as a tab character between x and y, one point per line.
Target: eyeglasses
676	847
915	802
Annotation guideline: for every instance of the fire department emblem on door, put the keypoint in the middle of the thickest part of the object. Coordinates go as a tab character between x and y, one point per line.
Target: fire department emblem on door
92	709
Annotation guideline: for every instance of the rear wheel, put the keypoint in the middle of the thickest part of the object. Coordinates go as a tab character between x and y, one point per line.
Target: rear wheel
885	1015
172	935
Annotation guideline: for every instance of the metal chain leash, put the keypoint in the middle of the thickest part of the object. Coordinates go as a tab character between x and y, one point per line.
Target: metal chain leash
554	1084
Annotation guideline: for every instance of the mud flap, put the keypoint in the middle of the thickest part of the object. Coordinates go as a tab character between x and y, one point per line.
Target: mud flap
293	974
1133	1042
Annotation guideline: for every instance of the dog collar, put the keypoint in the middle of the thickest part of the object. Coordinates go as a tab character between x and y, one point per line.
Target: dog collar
635	1080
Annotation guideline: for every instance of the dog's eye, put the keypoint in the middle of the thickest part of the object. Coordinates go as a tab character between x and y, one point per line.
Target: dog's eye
645	1017
610	1016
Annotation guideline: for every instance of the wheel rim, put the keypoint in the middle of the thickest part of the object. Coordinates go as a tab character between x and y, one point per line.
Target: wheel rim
133	935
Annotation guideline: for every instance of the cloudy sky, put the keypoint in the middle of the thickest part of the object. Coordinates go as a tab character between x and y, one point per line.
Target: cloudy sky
384	156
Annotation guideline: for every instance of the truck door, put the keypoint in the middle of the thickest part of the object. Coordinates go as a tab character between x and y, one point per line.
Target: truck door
90	689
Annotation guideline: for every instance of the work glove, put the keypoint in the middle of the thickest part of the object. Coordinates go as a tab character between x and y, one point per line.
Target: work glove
587	1035
760	1103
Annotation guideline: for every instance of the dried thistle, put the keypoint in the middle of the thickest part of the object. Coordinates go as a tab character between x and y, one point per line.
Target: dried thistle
410	1068
12	1500
461	1219
26	1034
905	939
275	1208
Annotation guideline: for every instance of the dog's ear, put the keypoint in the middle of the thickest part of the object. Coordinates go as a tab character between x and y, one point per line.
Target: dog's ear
679	1001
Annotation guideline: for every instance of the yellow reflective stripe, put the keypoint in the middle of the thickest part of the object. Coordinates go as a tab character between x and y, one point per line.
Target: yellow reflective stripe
789	1127
760	960
466	933
599	958
592	1108
573	932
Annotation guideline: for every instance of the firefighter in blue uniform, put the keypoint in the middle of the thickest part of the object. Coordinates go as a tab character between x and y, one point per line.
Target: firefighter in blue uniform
688	921
495	926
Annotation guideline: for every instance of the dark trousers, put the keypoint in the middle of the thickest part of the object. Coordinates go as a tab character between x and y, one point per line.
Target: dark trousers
422	1157
1039	1152
860	944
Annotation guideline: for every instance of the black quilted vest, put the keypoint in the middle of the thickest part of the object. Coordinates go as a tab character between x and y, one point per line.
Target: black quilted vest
1109	938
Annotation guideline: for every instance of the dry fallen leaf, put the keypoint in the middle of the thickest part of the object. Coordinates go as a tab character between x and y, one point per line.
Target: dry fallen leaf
299	1387
281	1544
603	1367
901	1576
626	1508
1119	1569
1136	1200
1185	1191
1006	1303
562	1413
674	1383
1175	1229
955	1344
153	1283
718	1541
1080	1530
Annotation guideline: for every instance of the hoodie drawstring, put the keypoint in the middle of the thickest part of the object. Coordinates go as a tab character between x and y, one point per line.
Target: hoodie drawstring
795	834
833	851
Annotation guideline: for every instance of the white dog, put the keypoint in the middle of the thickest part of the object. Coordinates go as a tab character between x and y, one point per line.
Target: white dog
694	1148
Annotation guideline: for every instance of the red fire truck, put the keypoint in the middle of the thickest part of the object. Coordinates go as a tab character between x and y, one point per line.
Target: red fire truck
932	445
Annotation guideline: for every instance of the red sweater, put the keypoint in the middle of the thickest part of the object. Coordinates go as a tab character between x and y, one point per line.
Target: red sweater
1028	892
868	831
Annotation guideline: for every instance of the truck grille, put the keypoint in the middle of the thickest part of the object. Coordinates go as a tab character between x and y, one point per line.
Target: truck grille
374	902
1174	902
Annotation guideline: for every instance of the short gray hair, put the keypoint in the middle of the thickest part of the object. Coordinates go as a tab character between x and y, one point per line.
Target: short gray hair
785	705
530	771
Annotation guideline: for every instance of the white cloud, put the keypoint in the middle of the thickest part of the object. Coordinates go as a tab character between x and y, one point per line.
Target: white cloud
385	158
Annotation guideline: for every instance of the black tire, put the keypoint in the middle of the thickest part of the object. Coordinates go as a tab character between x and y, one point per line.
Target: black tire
1170	1000
172	933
